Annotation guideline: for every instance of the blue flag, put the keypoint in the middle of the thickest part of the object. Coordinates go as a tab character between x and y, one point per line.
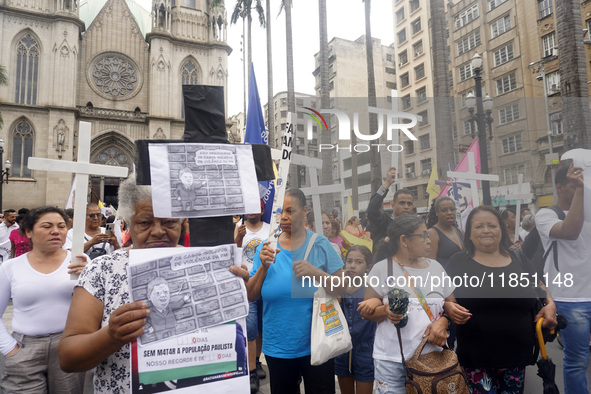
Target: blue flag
256	134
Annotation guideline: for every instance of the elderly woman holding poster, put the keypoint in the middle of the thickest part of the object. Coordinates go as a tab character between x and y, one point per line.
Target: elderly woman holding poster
102	322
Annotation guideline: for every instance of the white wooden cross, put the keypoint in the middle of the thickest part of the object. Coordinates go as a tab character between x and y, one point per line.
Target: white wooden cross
314	190
519	197
472	176
82	168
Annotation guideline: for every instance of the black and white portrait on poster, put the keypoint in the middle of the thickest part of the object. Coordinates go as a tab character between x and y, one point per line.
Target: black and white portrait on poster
186	289
203	180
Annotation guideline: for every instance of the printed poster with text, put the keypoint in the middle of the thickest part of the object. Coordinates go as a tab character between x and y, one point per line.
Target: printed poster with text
196	333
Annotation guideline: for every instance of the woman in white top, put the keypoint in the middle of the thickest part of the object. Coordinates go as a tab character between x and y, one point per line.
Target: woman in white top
40	287
408	244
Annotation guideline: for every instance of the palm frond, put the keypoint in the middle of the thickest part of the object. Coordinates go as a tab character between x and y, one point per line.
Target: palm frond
237	11
261	12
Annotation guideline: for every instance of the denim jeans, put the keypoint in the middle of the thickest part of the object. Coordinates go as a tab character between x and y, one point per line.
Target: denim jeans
254	319
576	345
390	377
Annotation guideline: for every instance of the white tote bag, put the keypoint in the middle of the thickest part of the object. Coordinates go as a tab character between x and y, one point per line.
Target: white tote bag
330	332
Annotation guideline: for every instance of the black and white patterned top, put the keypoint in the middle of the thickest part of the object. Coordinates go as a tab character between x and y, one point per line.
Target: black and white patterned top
106	279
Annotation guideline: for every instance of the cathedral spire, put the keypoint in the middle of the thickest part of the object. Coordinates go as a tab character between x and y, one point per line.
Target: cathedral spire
161	20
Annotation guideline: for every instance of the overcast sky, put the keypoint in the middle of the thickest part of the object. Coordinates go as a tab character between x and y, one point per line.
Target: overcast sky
345	20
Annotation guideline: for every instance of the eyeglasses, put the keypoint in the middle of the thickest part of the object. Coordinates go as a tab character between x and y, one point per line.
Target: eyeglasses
94	215
424	235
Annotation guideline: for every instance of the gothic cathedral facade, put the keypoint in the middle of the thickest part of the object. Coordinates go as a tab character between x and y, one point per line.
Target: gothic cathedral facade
108	62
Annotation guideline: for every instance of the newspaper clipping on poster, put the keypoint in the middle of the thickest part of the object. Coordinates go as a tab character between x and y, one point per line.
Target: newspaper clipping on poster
186	290
192	180
197	334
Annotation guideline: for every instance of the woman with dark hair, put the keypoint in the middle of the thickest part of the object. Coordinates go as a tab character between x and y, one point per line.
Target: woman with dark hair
407	247
508	216
446	238
276	276
335	229
41	291
495	316
19	242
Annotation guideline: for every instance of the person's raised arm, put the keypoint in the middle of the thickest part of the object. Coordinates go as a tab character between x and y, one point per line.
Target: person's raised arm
571	226
84	343
376	201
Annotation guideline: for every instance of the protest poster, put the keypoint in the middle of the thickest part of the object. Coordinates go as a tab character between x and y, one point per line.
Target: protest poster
186	289
193	180
213	359
190	351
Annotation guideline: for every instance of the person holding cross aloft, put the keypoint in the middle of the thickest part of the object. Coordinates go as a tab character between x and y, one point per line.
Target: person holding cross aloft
96	240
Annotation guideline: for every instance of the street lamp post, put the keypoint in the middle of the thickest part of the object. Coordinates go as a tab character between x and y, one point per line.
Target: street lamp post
3	173
541	67
482	118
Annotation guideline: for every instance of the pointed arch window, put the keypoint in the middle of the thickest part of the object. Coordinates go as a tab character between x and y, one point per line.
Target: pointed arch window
27	70
22	149
189	76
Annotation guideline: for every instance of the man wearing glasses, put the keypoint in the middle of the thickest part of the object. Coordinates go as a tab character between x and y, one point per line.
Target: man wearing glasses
97	241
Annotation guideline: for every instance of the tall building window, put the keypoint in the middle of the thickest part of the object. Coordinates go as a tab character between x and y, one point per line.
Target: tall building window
466	16
511	144
22	149
511	174
404	80
416	26
401	35
549	44
470	127
402	58
420	71
400	15
556	123
406	102
409	147
189	76
509	113
545	7
414	5
465	71
418	48
500	26
425	142
426	166
504	54
421	95
27	70
469	42
492	4
409	169
553	82
424	118
506	84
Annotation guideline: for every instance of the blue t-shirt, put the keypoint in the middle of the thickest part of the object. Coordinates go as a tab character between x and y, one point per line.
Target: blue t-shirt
287	314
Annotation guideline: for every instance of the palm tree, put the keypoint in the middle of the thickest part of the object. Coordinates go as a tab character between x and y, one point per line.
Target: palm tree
374	158
3	81
441	94
270	119
243	9
573	75
327	154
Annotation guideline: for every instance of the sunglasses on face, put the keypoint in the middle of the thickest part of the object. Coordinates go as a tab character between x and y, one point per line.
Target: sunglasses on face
94	215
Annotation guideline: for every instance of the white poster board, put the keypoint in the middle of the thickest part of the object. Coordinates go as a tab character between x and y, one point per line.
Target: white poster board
192	180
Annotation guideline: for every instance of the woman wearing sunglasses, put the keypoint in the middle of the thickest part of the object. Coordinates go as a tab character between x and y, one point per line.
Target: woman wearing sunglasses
97	241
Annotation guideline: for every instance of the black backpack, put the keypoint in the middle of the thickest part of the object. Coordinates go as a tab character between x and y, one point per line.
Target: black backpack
534	250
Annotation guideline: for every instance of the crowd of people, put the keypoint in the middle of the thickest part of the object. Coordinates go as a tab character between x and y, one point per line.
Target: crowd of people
76	326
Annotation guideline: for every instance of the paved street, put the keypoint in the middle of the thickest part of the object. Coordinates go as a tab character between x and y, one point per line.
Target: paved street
532	382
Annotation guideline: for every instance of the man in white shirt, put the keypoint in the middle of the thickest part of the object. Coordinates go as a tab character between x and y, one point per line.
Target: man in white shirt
6	228
569	274
249	236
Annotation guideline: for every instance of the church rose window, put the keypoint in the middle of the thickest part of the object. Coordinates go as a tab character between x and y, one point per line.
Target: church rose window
114	76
